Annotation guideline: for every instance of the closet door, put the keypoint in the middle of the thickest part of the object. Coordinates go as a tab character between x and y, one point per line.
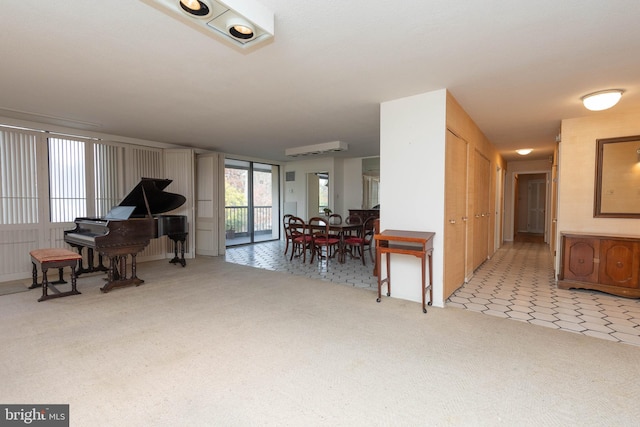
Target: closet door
455	227
481	208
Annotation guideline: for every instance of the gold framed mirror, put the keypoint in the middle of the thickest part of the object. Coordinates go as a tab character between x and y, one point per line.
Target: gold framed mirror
617	186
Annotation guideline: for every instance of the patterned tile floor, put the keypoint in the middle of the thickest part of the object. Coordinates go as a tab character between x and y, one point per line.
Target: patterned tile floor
269	255
517	283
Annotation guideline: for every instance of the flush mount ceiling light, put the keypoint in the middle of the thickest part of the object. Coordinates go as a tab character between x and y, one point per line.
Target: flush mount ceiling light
524	151
243	23
602	100
326	147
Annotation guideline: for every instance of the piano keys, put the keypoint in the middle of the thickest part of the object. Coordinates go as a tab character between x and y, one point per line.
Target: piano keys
119	239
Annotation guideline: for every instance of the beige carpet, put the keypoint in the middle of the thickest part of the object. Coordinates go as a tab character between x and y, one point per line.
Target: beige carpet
217	344
8	288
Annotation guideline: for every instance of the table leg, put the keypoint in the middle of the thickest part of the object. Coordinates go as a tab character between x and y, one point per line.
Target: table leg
34	275
74	288
424	284
388	257
430	278
45	284
378	259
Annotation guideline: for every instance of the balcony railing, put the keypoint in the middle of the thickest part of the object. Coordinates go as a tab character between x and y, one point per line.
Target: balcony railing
237	219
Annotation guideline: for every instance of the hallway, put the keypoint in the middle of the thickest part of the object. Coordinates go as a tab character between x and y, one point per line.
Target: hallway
517	284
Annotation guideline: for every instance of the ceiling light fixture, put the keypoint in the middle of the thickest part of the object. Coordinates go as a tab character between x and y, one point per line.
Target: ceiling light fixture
240	29
194	7
244	23
602	100
524	151
326	147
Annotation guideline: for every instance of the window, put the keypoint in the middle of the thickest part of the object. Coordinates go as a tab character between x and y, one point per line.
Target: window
67	180
18	180
77	191
323	192
251	208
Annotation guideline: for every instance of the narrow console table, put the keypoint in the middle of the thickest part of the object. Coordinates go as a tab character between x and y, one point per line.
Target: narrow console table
416	243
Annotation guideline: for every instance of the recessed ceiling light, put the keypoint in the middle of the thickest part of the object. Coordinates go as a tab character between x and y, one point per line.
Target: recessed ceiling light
524	151
194	7
602	100
243	23
325	147
240	29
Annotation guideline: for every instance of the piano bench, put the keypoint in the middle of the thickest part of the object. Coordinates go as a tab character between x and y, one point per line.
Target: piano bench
53	258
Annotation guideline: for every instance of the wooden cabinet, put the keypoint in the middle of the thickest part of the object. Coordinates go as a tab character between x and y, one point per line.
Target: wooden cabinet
605	263
365	213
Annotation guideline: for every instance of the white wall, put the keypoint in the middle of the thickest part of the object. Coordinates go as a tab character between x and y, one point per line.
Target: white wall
412	150
352	189
576	172
297	191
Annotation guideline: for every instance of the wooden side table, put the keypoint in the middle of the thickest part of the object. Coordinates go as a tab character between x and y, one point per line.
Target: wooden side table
416	243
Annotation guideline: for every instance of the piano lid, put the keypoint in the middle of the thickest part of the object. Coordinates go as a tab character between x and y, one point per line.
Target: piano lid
159	201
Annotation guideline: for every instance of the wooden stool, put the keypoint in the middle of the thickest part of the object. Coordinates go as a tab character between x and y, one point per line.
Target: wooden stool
53	258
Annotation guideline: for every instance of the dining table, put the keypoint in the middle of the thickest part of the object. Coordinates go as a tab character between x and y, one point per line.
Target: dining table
341	231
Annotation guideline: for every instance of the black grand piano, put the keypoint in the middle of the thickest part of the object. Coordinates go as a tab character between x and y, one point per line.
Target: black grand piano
119	236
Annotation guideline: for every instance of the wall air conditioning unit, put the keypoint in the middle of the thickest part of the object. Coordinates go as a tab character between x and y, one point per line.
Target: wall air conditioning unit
243	23
309	150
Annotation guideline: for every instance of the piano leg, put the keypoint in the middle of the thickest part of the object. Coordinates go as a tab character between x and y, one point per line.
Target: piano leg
135	278
90	267
178	239
100	266
80	268
117	275
123	267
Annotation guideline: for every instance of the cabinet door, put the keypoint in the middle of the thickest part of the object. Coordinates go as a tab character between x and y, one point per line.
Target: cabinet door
619	263
580	259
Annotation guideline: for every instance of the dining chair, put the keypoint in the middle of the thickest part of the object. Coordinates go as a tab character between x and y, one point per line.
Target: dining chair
362	241
300	238
335	219
321	238
287	233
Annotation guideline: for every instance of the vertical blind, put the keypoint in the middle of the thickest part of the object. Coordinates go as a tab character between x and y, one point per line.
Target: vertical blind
147	163
107	161
18	178
67	182
69	178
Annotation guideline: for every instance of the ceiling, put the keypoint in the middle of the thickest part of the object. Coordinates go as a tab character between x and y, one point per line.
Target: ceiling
125	68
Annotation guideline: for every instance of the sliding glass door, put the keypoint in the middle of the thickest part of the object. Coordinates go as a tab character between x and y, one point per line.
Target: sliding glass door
251	202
